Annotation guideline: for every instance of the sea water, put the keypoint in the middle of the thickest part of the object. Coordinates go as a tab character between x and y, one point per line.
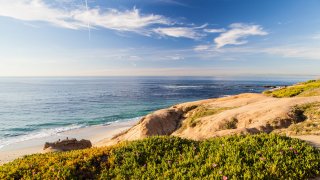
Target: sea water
38	107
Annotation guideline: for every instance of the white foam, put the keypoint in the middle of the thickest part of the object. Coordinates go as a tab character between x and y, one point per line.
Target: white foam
182	87
49	132
225	95
36	135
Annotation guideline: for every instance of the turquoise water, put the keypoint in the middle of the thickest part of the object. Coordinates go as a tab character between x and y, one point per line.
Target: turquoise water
38	107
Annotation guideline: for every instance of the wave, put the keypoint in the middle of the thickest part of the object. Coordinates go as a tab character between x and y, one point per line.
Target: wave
227	95
182	87
53	131
36	135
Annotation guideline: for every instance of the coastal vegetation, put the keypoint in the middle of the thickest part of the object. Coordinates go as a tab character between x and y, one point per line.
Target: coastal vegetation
200	112
307	120
304	89
145	151
263	156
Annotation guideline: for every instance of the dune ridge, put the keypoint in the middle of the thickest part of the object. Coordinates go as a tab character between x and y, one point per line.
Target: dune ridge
248	113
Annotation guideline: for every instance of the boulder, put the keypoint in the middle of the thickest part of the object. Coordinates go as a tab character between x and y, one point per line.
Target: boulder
66	145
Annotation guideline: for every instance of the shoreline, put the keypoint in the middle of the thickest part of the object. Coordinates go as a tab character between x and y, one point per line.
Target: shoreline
95	134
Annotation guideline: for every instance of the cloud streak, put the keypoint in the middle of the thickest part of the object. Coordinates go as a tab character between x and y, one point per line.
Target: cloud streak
132	20
214	30
237	33
201	48
78	18
179	32
129	20
37	10
302	51
312	53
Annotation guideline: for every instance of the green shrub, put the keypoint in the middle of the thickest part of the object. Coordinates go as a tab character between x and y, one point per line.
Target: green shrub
236	157
231	124
308	88
308	120
199	112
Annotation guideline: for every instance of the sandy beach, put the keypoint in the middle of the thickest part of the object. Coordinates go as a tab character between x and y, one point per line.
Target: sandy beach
93	133
314	140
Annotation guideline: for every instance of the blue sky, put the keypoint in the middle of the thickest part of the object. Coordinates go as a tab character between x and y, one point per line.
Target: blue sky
159	37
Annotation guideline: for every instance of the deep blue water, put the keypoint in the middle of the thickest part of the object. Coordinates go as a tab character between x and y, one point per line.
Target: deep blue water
37	107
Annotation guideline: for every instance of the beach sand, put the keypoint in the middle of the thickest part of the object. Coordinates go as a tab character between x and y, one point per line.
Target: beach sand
314	140
93	133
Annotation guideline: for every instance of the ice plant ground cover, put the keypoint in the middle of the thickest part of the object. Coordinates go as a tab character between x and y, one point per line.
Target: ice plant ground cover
304	89
264	156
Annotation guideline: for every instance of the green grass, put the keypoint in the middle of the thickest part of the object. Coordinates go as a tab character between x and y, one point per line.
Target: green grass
310	114
231	124
308	88
199	112
236	157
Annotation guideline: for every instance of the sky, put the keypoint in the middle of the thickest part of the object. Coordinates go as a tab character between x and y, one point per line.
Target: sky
159	37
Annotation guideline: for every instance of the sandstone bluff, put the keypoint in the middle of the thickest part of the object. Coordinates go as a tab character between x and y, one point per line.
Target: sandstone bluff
239	114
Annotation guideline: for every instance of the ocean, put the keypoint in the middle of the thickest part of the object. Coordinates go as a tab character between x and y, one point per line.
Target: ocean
39	107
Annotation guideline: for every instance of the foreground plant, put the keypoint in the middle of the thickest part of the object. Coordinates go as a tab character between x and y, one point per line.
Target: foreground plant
235	157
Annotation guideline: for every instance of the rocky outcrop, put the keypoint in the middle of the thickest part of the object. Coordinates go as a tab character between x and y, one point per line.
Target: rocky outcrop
67	145
161	122
239	114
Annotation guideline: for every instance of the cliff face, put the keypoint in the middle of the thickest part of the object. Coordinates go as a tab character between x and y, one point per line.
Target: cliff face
239	114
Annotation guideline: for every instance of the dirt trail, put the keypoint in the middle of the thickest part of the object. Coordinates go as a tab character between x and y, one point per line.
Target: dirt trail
312	139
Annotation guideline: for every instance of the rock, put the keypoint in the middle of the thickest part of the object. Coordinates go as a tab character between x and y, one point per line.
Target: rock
239	114
268	86
161	122
67	145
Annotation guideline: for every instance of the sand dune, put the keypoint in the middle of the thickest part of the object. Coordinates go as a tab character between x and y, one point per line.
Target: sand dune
239	114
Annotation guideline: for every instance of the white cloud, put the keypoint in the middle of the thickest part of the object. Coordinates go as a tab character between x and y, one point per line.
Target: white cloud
214	30
76	18
298	51
236	34
295	52
36	10
173	2
129	20
180	32
316	36
175	57
201	48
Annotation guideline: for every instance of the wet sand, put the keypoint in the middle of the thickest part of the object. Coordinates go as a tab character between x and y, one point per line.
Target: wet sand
92	133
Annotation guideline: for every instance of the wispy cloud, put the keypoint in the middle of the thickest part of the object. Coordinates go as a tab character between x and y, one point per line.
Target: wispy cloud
175	57
214	30
295	52
201	47
77	18
129	20
181	32
145	54
316	36
298	51
237	33
37	10
173	2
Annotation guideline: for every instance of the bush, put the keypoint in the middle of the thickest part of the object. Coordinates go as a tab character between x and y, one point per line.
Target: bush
235	157
308	120
308	88
200	112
